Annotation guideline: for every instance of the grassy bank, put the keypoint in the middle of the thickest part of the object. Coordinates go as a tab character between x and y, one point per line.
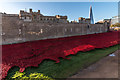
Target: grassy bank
68	67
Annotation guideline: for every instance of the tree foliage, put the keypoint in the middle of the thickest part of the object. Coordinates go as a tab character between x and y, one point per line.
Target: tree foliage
115	25
32	76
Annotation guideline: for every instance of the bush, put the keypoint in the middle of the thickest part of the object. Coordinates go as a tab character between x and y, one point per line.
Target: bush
21	76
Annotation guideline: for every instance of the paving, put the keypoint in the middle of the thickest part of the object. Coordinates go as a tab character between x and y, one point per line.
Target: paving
104	68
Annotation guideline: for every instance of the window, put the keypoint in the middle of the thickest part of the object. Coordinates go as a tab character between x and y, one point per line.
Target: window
71	29
41	31
88	26
35	17
65	29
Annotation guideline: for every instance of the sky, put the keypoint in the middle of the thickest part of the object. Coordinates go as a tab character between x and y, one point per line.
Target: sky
59	0
74	10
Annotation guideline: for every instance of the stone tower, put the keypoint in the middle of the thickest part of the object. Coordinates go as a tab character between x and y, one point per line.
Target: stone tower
91	15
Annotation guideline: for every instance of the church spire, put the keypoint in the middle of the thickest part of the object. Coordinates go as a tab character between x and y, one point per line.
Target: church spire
91	15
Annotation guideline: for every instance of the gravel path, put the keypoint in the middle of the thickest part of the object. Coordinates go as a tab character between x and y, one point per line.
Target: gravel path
105	68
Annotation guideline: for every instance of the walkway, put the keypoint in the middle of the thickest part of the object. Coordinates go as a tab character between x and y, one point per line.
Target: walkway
105	68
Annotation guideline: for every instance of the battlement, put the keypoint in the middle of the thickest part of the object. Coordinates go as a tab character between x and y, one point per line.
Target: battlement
10	15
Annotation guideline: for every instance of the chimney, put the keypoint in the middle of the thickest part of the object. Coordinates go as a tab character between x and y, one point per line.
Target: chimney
39	11
30	10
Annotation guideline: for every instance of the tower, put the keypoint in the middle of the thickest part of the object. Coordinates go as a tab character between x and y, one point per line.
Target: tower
91	15
119	12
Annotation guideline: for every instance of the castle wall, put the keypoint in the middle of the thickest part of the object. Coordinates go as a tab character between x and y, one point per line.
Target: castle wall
15	30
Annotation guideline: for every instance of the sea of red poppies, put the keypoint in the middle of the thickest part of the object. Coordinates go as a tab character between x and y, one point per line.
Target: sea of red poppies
34	52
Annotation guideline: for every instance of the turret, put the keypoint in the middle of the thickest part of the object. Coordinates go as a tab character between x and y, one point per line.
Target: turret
39	11
30	10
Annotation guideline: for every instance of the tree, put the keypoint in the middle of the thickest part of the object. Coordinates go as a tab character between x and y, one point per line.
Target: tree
115	25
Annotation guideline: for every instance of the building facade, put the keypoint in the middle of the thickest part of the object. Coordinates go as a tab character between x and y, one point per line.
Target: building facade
84	20
115	19
37	16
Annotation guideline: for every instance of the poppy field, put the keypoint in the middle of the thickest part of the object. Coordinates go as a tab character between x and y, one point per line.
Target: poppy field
32	53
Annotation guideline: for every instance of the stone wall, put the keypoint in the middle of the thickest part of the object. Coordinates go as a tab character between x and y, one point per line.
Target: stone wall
15	30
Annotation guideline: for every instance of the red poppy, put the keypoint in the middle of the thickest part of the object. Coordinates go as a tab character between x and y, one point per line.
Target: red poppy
33	53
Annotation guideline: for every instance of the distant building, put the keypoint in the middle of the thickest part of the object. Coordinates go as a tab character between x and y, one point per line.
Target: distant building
119	12
119	19
115	19
107	21
91	15
84	20
89	20
37	16
74	21
99	22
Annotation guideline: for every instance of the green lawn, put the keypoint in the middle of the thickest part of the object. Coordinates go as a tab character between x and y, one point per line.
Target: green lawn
66	68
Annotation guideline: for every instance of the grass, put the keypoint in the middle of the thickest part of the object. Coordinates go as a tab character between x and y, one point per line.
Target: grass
68	67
